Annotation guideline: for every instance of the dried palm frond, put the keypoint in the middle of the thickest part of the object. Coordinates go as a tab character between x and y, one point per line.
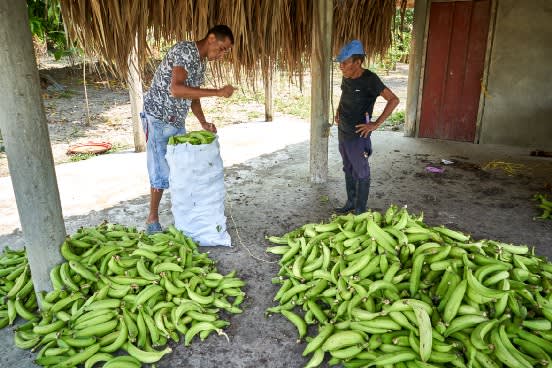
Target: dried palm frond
269	34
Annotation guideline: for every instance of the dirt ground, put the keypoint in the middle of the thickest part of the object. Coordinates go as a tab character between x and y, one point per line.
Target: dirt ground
271	194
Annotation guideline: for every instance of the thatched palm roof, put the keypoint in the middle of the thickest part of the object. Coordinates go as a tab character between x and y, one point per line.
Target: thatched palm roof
271	32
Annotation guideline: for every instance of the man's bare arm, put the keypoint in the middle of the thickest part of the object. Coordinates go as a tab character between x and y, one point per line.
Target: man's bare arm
180	89
392	102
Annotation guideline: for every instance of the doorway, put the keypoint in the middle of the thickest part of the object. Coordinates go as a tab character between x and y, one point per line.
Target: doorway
455	58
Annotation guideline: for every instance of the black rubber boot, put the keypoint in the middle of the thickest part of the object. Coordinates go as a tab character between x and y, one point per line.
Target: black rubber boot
350	186
363	189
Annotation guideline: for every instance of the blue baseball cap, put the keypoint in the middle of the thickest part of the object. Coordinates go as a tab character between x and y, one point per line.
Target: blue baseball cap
352	48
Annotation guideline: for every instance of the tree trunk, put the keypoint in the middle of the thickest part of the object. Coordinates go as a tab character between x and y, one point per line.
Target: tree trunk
27	143
267	78
136	100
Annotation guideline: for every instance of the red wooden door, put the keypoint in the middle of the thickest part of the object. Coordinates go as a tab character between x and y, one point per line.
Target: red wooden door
456	44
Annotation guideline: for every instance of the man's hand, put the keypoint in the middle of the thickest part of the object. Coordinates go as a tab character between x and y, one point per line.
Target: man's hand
336	119
209	126
226	91
365	128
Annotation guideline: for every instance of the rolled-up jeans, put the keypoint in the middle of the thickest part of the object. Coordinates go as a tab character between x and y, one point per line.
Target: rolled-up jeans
157	135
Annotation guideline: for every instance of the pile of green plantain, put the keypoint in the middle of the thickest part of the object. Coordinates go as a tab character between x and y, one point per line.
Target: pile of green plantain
17	296
544	205
195	138
119	289
385	289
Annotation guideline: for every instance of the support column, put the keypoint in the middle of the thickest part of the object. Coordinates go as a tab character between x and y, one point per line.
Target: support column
415	66
25	130
268	92
321	59
134	82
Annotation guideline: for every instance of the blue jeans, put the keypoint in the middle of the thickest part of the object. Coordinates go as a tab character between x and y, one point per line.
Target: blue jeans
157	135
355	153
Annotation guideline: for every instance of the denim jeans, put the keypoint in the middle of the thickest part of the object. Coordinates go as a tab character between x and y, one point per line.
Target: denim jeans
157	135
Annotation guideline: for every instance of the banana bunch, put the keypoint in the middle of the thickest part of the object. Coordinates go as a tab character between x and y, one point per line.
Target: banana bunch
195	137
122	289
545	205
385	289
17	297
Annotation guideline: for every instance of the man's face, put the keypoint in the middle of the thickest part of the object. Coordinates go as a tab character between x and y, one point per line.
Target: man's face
217	48
349	67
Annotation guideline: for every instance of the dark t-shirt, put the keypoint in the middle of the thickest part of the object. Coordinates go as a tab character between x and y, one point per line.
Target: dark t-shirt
357	98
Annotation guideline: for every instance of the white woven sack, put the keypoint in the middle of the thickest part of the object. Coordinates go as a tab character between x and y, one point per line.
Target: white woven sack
196	182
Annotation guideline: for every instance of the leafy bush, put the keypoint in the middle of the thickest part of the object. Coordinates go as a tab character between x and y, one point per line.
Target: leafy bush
396	118
402	35
46	24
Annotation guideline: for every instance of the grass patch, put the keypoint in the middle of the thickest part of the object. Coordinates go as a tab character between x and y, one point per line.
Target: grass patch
66	93
297	105
80	157
117	147
254	115
246	96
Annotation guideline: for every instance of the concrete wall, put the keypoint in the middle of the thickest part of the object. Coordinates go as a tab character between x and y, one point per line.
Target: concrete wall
518	102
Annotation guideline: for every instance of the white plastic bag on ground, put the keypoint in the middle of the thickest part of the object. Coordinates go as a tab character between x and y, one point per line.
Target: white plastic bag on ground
196	182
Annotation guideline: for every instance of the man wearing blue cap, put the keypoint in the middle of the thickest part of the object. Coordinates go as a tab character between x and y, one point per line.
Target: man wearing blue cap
359	90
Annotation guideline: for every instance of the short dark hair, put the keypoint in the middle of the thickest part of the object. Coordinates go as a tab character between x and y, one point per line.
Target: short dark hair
356	57
221	32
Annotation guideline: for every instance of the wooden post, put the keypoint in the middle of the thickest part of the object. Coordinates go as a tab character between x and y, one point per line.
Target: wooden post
415	72
136	99
27	143
320	89
268	89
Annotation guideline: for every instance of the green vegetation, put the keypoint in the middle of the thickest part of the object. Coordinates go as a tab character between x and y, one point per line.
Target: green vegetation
66	93
396	118
80	157
253	115
47	27
118	147
298	105
402	35
242	97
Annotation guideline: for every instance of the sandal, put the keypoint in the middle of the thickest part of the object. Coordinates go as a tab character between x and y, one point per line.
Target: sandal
154	227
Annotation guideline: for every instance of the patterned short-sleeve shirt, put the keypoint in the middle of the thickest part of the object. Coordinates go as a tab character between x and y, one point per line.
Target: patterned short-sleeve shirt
158	101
